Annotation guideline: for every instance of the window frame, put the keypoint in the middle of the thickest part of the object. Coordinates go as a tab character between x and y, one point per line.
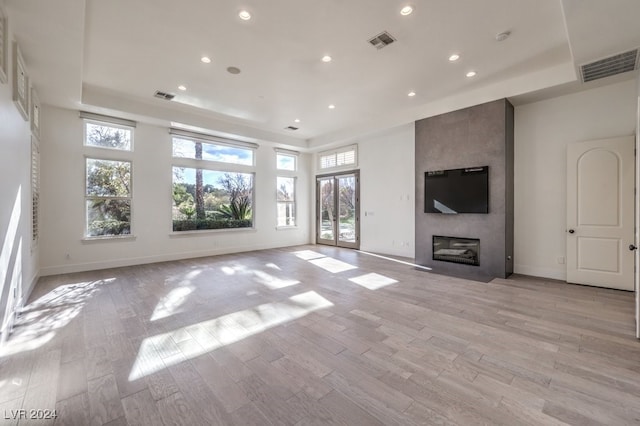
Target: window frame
216	141
87	198
294	202
214	166
103	153
290	154
335	153
93	121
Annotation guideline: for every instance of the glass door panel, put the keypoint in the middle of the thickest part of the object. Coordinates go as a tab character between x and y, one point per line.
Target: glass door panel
347	209
338	210
326	211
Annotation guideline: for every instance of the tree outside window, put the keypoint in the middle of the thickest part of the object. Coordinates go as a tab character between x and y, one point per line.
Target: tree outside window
210	199
286	201
108	197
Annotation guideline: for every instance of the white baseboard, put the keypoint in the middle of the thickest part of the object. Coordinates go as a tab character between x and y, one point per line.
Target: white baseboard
118	263
542	272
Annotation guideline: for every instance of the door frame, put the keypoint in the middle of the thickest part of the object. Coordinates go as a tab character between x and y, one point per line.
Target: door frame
336	242
575	151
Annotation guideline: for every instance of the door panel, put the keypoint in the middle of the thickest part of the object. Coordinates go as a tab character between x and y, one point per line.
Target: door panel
326	226
347	209
338	210
600	213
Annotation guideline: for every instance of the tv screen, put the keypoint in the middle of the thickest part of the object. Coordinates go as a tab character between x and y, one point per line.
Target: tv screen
457	191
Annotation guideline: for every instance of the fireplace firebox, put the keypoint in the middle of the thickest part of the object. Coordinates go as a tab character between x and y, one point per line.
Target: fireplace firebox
456	250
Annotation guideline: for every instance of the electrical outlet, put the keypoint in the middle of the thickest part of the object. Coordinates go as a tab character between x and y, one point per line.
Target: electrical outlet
560	260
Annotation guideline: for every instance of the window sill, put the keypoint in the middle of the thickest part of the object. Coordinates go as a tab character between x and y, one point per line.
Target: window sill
174	234
90	240
286	228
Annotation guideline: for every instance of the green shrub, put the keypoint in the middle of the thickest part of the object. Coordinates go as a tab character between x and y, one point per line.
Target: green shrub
108	227
196	224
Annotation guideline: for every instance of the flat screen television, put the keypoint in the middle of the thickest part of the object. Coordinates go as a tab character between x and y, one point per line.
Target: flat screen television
457	191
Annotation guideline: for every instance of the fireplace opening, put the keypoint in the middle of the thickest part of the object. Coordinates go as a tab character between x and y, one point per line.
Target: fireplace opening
456	250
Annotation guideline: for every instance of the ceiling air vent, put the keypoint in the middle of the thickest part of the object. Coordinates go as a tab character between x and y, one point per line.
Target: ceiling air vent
292	128
164	95
381	40
616	64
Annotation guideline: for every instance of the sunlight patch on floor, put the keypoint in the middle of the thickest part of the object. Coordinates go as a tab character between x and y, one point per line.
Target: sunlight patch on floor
332	265
308	254
272	282
373	281
171	302
38	321
414	265
232	270
227	329
273	266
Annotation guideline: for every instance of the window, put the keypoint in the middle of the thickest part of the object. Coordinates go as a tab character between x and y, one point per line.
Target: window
35	190
209	199
197	150
286	161
108	136
346	156
212	183
108	197
286	201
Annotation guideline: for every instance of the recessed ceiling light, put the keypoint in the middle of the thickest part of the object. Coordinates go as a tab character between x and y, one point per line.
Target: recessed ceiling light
407	10
411	94
205	60
471	74
182	87
326	58
233	70
297	120
454	57
332	106
244	15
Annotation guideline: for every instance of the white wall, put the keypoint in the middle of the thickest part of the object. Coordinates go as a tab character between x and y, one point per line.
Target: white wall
62	246
387	200
18	264
542	132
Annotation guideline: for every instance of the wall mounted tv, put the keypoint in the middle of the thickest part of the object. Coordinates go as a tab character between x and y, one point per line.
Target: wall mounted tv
457	191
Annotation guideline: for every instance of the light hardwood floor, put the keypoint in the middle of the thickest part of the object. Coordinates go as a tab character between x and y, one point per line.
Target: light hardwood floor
318	335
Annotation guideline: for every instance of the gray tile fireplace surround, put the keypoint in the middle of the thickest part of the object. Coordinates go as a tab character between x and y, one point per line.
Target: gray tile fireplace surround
477	136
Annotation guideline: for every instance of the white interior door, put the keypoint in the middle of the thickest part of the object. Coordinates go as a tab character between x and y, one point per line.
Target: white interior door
637	234
600	213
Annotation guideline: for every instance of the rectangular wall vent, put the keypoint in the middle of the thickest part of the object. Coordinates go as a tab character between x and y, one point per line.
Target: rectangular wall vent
381	40
616	64
164	95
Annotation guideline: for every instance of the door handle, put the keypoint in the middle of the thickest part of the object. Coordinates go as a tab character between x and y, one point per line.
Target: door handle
571	231
632	247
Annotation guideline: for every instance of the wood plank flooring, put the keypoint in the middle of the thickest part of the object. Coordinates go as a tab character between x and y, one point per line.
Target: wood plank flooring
316	335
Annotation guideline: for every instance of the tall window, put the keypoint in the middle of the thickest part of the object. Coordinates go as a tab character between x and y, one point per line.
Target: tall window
212	183
108	181
286	201
287	165
108	197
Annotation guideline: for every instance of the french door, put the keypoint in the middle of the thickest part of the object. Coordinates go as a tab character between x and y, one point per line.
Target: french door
338	209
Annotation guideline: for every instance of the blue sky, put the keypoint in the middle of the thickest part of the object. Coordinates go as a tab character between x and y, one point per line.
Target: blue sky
211	152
